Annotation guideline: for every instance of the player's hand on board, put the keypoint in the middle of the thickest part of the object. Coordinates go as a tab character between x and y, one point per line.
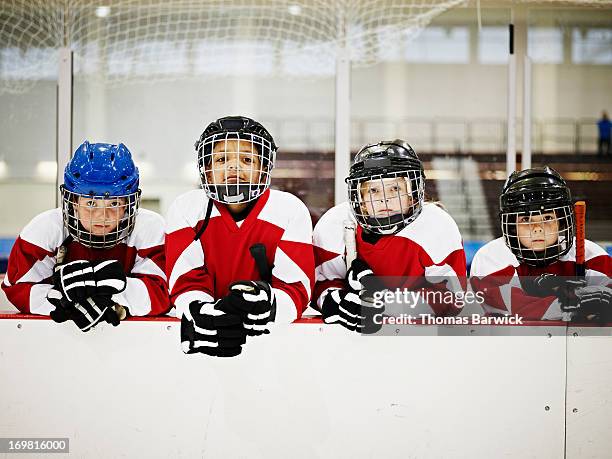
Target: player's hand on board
562	287
82	279
255	302
74	280
359	275
110	277
86	314
594	304
210	328
353	311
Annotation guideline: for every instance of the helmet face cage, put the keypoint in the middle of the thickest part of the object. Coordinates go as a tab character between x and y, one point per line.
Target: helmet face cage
99	222
550	232
387	202
235	167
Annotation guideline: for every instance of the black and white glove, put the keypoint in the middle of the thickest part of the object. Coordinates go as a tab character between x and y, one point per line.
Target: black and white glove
354	308
562	287
85	314
594	304
210	328
255	302
360	277
82	279
347	308
110	277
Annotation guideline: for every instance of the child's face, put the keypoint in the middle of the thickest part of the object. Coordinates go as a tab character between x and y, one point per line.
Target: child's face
384	198
538	231
234	161
100	216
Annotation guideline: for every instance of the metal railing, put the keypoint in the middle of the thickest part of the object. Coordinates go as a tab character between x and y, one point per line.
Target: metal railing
439	135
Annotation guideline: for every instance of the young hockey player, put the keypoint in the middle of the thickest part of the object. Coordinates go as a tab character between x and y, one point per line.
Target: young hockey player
97	258
397	234
238	254
531	269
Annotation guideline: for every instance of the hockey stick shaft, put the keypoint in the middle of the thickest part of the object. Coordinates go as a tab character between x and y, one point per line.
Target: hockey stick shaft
580	214
350	243
258	252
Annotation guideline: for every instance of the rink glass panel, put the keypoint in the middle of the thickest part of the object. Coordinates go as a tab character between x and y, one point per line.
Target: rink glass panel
571	53
130	88
28	80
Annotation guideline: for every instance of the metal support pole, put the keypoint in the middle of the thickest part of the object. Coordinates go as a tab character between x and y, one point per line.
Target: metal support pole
526	158
577	137
64	117
343	118
511	128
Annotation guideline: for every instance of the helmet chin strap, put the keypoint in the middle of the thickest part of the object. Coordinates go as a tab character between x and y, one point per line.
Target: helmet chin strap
235	194
233	199
393	227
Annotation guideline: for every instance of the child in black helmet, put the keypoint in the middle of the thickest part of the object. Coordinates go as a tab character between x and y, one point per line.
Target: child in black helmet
238	252
531	269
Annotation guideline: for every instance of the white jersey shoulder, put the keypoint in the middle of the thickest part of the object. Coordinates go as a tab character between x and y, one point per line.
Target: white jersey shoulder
435	231
282	208
492	257
148	230
187	210
46	230
591	250
495	255
329	230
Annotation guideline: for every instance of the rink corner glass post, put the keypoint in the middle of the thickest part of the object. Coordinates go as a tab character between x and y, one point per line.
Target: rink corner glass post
526	156
64	106
342	156
521	49
518	64
511	114
64	117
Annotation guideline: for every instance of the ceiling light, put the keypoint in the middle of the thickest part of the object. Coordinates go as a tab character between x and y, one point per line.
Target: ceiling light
103	11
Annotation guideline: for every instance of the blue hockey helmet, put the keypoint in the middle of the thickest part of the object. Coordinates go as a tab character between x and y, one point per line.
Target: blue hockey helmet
101	169
105	175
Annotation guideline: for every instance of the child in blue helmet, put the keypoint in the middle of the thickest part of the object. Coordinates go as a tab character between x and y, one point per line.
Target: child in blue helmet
99	257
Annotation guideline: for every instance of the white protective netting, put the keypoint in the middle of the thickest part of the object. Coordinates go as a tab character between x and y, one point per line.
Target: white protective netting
120	41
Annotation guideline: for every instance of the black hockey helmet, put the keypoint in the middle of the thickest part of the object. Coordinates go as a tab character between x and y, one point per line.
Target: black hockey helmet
377	162
533	193
238	128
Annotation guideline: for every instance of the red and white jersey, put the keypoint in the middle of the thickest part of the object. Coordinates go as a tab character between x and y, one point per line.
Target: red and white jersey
495	272
204	269
428	249
32	260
